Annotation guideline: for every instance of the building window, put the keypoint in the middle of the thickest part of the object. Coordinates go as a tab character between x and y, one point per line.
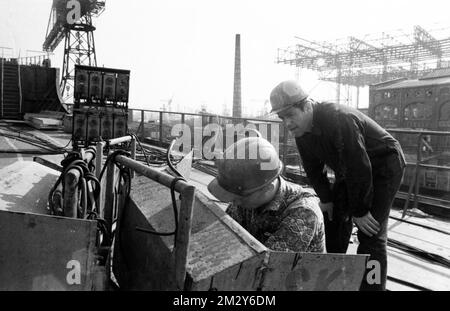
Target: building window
444	113
378	97
385	112
444	91
418	93
387	95
418	111
429	93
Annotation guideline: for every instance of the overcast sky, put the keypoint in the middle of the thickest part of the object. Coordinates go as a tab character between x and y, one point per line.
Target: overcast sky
185	49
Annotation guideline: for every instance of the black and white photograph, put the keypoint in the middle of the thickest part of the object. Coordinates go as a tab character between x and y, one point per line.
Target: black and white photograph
226	153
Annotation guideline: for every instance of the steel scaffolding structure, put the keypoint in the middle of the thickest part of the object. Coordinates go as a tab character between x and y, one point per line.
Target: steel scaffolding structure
79	45
375	58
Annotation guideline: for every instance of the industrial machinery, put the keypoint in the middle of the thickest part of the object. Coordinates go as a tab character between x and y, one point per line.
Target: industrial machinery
100	104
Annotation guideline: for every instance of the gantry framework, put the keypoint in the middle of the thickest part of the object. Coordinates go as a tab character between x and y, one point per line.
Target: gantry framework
79	45
372	59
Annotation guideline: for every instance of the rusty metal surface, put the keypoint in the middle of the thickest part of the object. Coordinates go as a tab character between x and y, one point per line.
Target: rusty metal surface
141	261
312	272
214	249
240	277
39	252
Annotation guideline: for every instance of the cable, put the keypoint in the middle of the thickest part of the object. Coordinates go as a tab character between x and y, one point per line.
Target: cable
406	283
175	212
45	142
419	253
30	142
172	167
140	146
111	157
75	161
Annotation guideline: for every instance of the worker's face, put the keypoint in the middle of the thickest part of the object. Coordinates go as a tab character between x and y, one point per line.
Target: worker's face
253	200
297	121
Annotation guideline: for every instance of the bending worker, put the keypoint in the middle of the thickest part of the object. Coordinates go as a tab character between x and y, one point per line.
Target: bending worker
281	215
367	161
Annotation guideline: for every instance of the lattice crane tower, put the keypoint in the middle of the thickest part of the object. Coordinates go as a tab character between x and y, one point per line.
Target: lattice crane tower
71	20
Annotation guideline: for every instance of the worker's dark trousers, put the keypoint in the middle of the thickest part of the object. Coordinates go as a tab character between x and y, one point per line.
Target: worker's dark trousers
386	182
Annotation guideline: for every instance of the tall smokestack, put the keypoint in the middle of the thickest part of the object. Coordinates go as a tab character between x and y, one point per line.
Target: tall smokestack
237	109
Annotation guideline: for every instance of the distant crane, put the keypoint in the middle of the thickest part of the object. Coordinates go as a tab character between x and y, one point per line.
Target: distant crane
167	106
71	20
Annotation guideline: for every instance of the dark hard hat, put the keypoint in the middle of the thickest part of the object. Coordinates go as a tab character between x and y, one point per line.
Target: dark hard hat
248	165
285	95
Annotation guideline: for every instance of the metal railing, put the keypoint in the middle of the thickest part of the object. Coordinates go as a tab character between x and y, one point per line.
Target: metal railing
420	164
157	125
38	60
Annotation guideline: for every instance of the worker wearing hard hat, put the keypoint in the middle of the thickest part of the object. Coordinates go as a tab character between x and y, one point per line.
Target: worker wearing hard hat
280	214
367	161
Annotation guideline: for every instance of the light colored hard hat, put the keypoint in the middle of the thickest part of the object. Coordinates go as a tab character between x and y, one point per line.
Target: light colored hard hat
239	176
285	95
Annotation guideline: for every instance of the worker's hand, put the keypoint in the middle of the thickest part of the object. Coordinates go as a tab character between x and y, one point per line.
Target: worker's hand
367	224
328	208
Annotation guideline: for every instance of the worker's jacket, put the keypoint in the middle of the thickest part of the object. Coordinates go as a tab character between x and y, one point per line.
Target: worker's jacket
353	146
292	221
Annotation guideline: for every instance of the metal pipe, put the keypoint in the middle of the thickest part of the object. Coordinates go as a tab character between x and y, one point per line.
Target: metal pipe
414	178
119	140
408	131
133	153
20	88
91	206
418	169
183	234
202	115
160	177
161	127
48	164
2	86
109	207
438	200
71	196
89	155
143	126
99	158
438	167
57	200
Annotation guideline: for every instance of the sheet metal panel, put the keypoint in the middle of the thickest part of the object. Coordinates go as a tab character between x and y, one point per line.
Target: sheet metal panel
40	252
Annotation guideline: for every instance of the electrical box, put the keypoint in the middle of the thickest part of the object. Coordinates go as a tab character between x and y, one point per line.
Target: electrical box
100	104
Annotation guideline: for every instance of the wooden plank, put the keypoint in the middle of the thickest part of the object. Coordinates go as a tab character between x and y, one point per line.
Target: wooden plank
425	219
417	271
422	238
398	287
